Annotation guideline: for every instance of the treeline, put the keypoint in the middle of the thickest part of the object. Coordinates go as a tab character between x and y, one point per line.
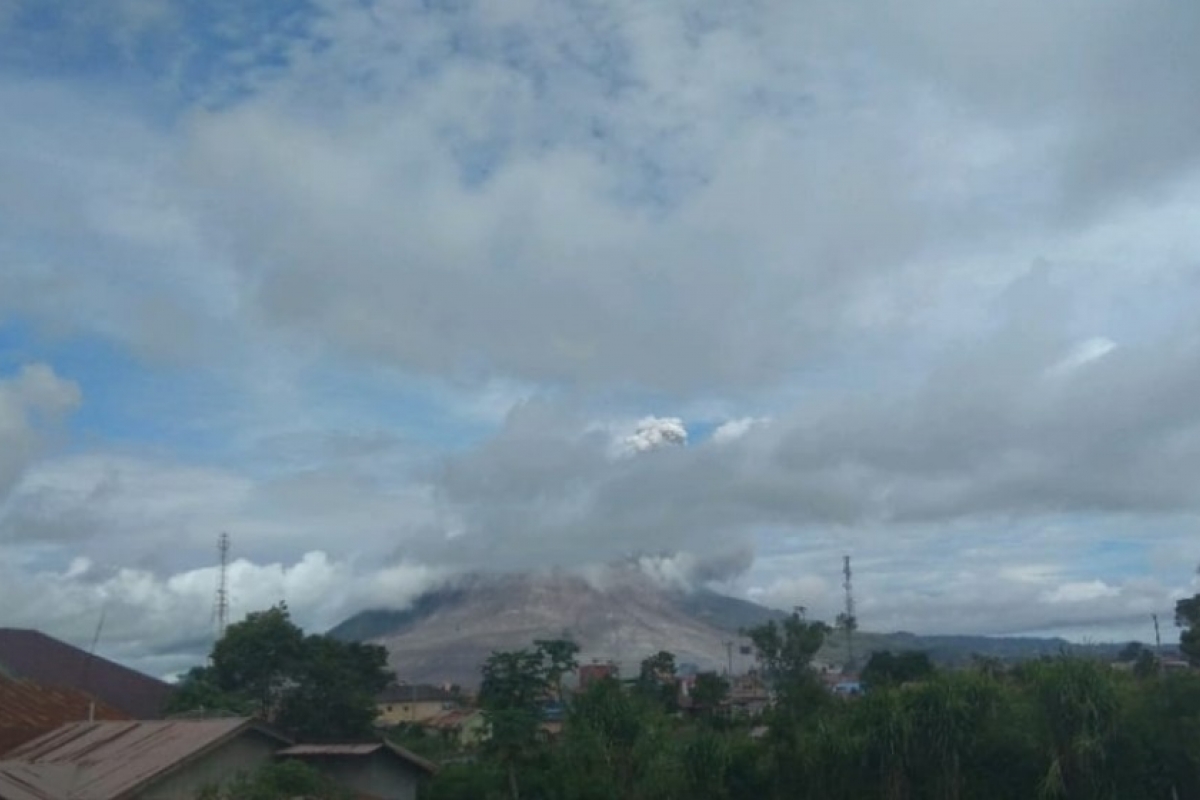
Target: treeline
1056	728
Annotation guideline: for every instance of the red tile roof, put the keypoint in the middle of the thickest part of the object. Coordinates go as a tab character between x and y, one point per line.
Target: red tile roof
34	656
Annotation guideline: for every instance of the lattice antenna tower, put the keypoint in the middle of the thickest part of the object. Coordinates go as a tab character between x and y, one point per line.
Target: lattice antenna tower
221	603
849	620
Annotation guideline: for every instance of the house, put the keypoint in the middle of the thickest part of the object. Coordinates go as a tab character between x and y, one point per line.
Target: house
136	760
464	726
377	770
595	672
413	703
28	710
34	656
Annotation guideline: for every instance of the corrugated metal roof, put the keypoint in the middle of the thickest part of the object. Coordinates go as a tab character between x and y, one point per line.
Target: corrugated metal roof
357	751
25	704
332	749
34	656
109	759
21	782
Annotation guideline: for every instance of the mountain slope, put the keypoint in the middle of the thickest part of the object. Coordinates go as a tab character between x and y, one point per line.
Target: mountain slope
446	634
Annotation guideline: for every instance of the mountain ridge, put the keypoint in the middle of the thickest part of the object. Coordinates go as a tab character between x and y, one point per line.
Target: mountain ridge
445	634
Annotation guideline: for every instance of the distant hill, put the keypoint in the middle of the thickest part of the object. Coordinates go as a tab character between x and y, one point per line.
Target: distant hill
446	634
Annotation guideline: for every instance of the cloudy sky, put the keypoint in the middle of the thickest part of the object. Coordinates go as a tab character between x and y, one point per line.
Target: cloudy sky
390	290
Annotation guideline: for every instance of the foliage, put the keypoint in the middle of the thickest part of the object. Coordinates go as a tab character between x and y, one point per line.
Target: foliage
1063	727
885	668
786	649
657	680
315	687
282	780
1187	616
516	688
709	691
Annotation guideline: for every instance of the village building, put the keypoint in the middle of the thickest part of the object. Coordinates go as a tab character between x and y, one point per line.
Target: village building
378	770
412	703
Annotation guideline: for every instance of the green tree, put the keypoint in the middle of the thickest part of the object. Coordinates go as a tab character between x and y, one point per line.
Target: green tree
334	687
657	680
785	649
313	687
516	688
708	693
258	658
885	668
1187	617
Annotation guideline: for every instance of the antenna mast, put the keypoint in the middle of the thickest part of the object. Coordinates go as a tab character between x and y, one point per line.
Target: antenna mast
849	621
221	605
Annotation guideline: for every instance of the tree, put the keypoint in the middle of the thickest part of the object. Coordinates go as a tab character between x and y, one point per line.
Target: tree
657	679
1187	616
258	657
334	690
314	687
887	669
786	649
708	692
516	687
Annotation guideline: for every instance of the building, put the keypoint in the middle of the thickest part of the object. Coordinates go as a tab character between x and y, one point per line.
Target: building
28	710
137	760
34	656
377	770
413	703
466	727
594	672
182	759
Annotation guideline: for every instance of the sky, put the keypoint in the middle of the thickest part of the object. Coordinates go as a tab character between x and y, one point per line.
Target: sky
391	290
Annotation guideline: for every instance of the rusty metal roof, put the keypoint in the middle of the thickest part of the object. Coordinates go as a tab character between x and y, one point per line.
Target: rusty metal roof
34	656
28	710
106	760
358	750
25	704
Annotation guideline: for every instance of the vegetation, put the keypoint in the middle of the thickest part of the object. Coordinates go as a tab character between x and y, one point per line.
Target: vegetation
1060	727
314	687
279	781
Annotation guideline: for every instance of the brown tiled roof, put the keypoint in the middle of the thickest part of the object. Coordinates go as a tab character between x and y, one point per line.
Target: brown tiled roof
104	760
319	751
28	710
34	656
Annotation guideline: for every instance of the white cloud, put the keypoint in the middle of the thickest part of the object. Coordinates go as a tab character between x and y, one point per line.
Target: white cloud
147	616
655	432
32	404
735	429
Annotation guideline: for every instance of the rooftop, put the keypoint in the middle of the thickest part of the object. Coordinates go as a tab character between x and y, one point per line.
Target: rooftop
28	710
102	760
319	751
34	656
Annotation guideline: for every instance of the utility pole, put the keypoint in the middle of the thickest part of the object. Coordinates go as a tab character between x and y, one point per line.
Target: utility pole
1157	638
729	659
